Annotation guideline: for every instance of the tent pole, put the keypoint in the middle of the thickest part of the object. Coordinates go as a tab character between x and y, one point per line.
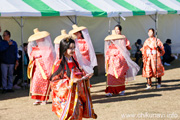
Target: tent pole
119	19
75	19
22	51
21	25
109	31
156	24
156	31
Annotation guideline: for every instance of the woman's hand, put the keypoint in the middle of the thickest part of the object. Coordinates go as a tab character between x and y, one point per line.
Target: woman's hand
76	80
87	76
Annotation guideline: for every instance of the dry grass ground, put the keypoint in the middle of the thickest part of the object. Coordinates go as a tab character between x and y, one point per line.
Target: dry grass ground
138	103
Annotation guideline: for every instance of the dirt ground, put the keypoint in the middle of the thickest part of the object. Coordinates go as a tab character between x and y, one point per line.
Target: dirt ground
138	103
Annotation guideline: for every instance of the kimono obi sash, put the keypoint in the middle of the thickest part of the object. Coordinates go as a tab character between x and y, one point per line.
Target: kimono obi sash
151	51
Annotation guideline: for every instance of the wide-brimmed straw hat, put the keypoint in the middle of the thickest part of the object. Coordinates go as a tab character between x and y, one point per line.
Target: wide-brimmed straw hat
114	36
38	35
76	29
63	35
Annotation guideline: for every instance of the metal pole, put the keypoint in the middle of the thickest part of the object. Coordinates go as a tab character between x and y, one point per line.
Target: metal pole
109	31
76	20
21	25
156	31
119	18
22	51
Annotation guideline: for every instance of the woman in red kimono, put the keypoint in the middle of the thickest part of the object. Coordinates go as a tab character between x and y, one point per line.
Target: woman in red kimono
84	51
70	86
119	66
150	55
41	55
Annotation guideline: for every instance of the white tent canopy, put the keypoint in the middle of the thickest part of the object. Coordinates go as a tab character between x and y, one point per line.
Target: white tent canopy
88	8
94	14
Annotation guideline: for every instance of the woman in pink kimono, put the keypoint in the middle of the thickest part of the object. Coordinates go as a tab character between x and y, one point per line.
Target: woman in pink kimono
41	55
118	30
119	66
85	54
150	55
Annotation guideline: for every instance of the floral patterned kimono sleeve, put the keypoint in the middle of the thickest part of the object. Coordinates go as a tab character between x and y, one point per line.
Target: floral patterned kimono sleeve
63	87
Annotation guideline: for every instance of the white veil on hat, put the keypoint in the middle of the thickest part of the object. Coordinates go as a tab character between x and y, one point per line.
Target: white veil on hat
121	45
92	55
46	51
41	39
133	67
84	63
41	43
30	46
57	52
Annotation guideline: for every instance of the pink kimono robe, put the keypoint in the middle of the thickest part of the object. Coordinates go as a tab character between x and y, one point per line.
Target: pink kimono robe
149	58
117	66
41	72
83	47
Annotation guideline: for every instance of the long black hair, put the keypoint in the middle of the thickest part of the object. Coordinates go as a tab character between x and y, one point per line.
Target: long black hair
64	45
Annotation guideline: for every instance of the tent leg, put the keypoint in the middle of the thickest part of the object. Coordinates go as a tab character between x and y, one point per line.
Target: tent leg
21	25
119	20
156	31
22	42
76	20
109	31
156	25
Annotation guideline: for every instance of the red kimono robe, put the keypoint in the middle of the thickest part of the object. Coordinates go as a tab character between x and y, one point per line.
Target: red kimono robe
117	68
149	58
71	101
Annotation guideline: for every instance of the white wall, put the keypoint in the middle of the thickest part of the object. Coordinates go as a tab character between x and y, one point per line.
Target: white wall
134	28
169	27
53	25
